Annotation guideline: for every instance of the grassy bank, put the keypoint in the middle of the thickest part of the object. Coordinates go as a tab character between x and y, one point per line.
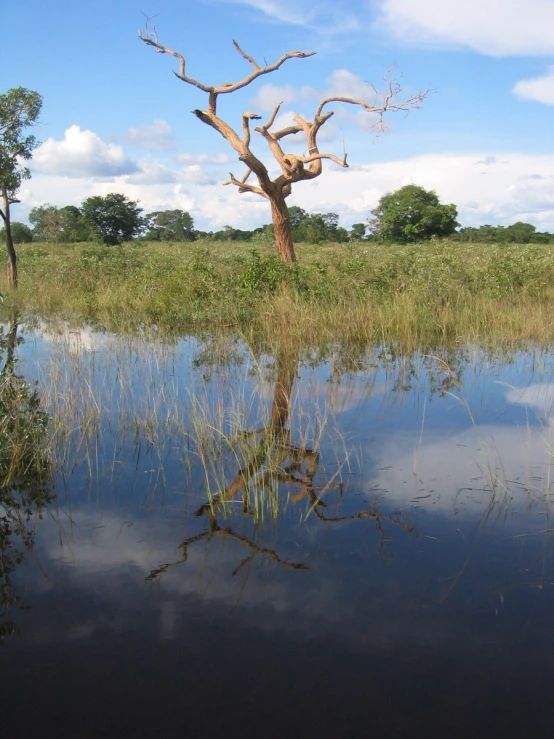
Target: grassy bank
421	295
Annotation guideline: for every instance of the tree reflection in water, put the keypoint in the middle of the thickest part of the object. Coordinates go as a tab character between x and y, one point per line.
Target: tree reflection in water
25	479
275	460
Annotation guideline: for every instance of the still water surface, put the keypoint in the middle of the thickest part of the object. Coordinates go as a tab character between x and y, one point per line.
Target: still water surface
391	570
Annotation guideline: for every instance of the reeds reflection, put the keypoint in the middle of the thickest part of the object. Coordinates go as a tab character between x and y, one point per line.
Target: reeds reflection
25	480
276	471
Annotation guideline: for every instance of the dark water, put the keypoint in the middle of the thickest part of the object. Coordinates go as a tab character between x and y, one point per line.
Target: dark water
391	572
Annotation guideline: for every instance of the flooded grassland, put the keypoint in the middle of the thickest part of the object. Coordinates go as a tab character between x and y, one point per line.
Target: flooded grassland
210	536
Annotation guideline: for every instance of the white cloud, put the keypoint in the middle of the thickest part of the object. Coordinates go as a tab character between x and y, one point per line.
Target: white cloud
540	89
456	470
157	136
344	83
487	187
203	158
539	397
82	154
341	83
506	194
196	175
297	13
491	27
325	16
269	95
153	173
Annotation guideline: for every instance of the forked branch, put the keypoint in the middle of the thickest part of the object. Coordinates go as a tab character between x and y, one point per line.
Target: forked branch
151	38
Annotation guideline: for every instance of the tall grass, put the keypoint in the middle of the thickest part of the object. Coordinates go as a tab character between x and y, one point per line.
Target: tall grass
427	294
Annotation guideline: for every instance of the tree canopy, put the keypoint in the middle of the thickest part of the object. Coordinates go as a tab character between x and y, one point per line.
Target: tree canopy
65	224
19	110
316	228
517	233
170	225
113	218
412	214
68	225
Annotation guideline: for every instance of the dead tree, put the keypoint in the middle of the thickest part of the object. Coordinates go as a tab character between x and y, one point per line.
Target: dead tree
294	167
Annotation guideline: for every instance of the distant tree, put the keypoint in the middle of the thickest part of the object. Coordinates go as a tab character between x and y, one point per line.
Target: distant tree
232	234
170	225
315	228
113	218
468	233
58	224
517	233
293	167
357	232
412	214
341	235
46	222
73	226
334	232
297	216
542	237
521	233
19	110
204	235
21	234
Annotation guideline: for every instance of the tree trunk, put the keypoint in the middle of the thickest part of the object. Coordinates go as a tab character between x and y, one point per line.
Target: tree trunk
12	256
282	229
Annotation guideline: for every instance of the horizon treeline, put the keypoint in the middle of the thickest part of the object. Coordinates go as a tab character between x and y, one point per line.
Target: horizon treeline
68	225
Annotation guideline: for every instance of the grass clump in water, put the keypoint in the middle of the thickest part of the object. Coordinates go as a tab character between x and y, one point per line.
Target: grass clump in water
25	479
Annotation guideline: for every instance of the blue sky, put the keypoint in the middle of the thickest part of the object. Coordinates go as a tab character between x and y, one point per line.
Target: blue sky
116	119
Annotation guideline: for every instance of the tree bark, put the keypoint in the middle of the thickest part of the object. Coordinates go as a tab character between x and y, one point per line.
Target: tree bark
12	256
282	228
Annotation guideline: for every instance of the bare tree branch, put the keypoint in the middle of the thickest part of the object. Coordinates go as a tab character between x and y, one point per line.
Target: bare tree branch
332	157
286	132
243	187
271	119
227	86
245	56
181	74
231	87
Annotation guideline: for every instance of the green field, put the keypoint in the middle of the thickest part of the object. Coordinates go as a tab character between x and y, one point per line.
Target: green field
421	295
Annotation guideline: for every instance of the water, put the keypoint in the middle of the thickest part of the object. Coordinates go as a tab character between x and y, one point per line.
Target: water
391	571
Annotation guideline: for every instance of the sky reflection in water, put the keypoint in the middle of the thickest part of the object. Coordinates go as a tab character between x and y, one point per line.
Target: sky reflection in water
432	552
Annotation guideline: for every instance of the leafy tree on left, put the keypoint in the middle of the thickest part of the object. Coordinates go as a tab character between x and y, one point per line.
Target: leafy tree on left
19	110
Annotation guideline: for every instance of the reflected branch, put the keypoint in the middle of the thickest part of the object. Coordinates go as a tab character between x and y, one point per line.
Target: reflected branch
275	460
227	533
